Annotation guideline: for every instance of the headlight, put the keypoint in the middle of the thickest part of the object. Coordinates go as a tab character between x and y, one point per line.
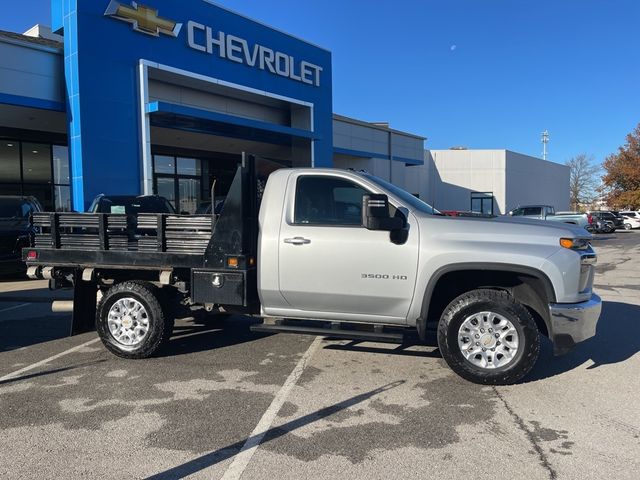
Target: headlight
575	243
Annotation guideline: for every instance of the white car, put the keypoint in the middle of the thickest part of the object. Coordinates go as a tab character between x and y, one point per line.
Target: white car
631	219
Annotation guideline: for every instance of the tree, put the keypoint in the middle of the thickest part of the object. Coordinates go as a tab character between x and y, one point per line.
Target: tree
622	177
583	180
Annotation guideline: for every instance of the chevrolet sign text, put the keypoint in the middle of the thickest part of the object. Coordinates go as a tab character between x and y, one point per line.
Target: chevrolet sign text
236	49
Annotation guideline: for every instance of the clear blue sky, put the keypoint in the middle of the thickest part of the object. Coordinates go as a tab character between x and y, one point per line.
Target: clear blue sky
480	73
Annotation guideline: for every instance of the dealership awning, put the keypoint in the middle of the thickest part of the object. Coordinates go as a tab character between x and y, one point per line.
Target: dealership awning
182	117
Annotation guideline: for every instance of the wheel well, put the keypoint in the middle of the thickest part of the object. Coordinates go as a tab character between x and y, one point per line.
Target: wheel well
530	290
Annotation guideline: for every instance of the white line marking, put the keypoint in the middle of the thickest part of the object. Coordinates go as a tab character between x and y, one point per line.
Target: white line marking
14	307
242	459
46	360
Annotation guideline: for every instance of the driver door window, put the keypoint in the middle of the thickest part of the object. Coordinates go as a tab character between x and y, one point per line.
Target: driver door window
328	201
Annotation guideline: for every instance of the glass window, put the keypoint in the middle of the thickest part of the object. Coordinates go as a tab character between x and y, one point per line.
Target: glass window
188	166
62	197
527	212
36	162
189	195
164	164
165	187
61	165
9	161
328	201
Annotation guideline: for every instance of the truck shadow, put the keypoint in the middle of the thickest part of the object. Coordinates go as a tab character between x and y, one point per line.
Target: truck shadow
617	339
201	333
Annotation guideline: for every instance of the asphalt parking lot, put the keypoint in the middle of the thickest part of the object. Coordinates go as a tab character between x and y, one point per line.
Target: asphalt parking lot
222	402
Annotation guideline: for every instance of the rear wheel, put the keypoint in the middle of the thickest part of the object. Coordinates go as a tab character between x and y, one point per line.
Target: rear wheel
487	337
131	321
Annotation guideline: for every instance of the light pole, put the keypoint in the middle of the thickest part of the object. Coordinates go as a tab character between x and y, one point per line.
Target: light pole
545	140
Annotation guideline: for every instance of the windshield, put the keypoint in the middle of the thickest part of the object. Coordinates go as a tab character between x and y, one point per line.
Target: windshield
403	195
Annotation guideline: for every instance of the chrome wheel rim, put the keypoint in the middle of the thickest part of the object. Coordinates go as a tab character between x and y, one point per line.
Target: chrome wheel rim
128	322
488	340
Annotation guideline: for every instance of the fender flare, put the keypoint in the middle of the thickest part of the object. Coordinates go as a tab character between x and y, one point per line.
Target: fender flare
495	267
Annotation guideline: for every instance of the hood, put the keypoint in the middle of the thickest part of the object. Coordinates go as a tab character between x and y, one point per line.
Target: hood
502	229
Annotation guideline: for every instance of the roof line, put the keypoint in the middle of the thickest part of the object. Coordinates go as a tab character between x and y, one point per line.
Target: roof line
27	43
355	121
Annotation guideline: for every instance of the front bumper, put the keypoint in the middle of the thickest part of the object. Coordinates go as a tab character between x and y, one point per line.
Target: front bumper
572	323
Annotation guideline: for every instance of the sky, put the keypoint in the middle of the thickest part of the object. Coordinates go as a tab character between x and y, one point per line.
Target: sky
474	73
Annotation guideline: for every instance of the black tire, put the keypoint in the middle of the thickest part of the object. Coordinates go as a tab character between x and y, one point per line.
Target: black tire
627	226
504	304
160	321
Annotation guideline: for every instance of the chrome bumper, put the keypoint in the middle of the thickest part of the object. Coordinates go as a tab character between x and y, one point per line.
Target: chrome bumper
573	323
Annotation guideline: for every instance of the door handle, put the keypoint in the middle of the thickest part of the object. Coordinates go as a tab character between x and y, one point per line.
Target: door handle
297	241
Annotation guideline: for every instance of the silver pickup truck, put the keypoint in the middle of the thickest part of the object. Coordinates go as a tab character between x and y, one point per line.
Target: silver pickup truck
547	212
337	253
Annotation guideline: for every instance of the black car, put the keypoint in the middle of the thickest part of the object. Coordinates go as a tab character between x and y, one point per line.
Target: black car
618	220
16	230
131	204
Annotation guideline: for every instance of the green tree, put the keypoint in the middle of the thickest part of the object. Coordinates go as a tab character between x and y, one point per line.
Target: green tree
622	177
583	180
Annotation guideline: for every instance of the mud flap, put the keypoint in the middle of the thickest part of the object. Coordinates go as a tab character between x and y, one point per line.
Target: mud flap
84	305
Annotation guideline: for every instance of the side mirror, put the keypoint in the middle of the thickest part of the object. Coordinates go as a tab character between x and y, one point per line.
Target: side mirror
375	214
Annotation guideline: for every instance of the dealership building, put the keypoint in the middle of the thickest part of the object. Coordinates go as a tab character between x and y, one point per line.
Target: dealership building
122	98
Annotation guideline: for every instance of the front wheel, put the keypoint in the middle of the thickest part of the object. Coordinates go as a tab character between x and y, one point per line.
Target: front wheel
131	321
627	226
487	337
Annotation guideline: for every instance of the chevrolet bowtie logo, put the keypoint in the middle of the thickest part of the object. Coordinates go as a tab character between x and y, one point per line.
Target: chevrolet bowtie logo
144	19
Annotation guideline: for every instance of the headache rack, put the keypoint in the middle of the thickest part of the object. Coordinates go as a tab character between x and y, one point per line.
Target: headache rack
148	239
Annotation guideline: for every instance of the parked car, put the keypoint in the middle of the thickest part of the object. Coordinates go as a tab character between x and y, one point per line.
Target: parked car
603	226
630	213
547	212
15	230
617	220
131	204
631	219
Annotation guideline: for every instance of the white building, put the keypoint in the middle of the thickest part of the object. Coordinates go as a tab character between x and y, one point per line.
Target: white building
491	181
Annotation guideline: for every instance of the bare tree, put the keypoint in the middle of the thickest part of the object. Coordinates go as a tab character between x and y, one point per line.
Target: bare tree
583	180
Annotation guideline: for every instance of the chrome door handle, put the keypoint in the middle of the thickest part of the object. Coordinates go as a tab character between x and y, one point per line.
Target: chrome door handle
297	241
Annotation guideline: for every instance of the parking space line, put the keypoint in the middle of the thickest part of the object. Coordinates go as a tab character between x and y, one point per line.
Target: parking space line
14	307
242	459
17	373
